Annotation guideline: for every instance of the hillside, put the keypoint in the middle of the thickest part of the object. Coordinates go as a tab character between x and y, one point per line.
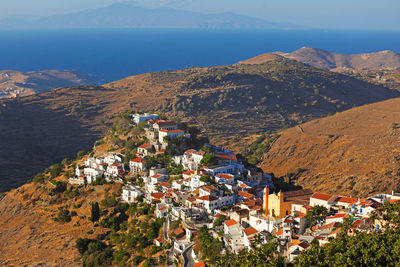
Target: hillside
16	83
381	68
328	60
228	102
128	15
355	152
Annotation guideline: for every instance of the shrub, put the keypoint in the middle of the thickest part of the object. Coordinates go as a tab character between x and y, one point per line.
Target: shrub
80	154
39	178
63	215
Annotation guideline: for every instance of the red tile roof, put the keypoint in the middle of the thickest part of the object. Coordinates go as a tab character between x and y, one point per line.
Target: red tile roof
199	264
335	231
225	176
164	184
304	245
329	225
145	146
349	200
138	160
171	131
231	222
250	231
338	215
321	196
207	198
157	195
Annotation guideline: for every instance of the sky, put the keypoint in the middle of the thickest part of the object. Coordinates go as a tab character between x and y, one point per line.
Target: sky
337	14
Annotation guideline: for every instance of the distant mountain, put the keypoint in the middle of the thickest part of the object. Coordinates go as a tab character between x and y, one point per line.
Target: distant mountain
328	60
125	15
16	83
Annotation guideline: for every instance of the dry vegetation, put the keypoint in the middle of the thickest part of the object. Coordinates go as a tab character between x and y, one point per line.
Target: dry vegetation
356	152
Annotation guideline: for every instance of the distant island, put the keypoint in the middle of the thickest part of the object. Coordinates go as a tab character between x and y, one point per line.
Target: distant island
16	83
127	15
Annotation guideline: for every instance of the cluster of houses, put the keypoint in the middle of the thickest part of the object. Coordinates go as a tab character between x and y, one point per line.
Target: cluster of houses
244	199
111	167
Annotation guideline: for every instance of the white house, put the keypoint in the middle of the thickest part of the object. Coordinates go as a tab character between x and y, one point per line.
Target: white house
165	125
130	192
144	149
170	133
161	210
113	158
339	217
225	178
214	170
138	118
262	223
115	170
137	164
346	202
92	174
233	235
158	178
295	249
248	236
325	200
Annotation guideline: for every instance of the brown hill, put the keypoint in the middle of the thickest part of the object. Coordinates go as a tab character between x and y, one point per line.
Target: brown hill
355	152
228	102
328	60
16	83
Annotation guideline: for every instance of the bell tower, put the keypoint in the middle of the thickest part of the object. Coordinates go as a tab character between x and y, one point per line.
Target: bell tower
265	200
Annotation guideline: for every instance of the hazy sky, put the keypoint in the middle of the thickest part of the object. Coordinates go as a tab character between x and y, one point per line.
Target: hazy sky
355	14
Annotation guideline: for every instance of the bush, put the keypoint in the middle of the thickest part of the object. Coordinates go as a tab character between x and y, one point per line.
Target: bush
94	252
56	170
39	178
138	259
63	215
80	154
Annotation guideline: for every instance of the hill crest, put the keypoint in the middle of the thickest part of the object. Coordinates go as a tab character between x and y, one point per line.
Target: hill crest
329	60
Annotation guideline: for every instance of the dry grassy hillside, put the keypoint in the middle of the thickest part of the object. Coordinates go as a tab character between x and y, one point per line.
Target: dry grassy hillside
356	152
29	235
227	102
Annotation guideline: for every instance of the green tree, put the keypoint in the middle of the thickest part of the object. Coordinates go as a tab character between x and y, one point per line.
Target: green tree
95	212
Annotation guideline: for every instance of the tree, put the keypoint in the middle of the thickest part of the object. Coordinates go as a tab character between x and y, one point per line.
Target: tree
95	212
205	179
208	159
316	214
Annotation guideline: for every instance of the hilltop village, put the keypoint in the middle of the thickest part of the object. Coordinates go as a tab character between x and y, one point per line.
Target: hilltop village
212	188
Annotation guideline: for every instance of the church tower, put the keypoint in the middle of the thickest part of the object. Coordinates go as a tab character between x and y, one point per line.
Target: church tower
265	200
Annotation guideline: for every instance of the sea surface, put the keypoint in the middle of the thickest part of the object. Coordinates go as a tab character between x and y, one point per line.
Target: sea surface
111	54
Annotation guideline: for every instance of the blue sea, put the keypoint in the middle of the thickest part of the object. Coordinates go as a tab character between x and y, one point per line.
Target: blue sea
114	54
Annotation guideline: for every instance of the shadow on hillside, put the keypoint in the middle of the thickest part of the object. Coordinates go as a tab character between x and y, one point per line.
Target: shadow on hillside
34	138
